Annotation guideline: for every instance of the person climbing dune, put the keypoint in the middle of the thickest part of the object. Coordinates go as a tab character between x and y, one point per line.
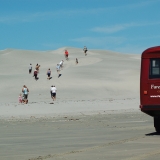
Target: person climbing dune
66	54
85	50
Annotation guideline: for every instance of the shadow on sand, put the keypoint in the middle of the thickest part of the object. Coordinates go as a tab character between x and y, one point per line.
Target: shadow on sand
59	75
37	78
153	134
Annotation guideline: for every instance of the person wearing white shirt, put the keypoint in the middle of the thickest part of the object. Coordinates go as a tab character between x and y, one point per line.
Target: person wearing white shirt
53	92
61	63
58	69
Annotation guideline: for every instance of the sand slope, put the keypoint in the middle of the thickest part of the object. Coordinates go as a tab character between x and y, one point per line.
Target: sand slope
103	80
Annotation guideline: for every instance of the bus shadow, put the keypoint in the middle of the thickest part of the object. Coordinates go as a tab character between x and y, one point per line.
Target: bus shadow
153	134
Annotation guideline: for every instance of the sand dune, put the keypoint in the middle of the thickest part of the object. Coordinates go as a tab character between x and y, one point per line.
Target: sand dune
102	80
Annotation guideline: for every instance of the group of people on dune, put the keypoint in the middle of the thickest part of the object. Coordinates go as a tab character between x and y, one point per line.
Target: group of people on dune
24	98
36	71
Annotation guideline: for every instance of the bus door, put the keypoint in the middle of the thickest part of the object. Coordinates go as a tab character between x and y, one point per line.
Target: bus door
154	81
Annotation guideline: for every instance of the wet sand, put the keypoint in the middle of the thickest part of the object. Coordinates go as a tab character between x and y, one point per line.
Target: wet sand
127	135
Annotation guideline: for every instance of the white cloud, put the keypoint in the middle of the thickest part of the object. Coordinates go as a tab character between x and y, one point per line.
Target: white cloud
119	27
39	16
112	29
99	41
27	17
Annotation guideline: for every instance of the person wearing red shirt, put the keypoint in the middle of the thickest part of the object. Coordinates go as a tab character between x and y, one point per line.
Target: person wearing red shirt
66	54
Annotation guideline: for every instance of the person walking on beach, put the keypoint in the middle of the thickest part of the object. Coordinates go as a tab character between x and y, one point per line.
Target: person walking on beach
76	61
85	50
35	74
30	68
66	54
25	91
37	68
58	69
53	92
61	63
49	74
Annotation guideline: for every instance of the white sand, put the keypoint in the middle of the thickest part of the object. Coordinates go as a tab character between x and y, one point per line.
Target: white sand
101	81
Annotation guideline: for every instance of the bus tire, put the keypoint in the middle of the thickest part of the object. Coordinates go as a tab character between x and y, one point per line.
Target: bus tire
157	124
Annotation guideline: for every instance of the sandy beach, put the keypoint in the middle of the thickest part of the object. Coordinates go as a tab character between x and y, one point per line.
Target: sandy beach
95	116
125	136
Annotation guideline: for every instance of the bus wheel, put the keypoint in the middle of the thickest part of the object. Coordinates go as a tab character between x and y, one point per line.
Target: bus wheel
157	124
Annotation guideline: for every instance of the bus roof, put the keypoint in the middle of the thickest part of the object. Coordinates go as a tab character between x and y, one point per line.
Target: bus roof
151	52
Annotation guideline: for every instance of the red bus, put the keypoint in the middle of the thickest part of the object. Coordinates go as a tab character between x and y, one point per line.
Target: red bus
150	84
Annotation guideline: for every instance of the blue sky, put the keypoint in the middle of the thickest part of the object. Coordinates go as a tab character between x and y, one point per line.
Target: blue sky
127	26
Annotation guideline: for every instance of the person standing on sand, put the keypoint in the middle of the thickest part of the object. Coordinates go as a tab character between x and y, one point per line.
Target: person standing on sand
76	61
25	91
30	68
48	73
53	92
85	50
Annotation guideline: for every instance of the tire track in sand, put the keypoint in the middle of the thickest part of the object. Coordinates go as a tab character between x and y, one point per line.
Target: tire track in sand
89	149
144	156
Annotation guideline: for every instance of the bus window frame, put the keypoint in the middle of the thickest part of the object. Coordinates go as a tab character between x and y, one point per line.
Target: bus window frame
151	75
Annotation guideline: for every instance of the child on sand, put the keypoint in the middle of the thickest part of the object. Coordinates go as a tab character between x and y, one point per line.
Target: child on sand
48	73
30	68
20	98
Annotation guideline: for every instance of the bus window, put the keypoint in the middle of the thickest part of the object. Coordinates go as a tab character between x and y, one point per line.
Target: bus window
154	68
